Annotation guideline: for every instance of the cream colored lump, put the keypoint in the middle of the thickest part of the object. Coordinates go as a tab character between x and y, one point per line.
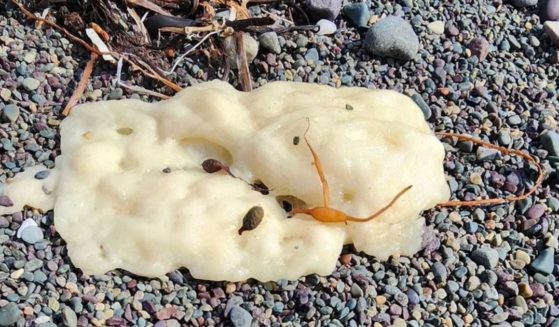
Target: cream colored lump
116	208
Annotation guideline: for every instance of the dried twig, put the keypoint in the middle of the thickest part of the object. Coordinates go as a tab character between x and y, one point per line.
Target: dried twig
139	23
242	63
76	39
150	6
525	156
190	29
150	72
91	49
179	59
134	88
78	92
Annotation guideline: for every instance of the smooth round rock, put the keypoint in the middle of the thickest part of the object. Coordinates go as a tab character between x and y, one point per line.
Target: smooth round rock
326	27
240	317
269	41
357	13
10	112
32	234
436	27
392	37
31	84
69	317
9	314
550	141
230	45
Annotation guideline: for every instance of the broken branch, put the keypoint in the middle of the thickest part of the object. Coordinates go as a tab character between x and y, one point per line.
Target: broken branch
150	6
78	92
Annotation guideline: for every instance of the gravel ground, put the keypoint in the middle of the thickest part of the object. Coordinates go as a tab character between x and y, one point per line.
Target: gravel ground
481	67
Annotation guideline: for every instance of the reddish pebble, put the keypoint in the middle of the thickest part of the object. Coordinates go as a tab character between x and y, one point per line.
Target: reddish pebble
345	259
444	91
536	211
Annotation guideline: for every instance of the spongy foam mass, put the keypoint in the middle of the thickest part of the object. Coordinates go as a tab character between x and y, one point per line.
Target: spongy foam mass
132	193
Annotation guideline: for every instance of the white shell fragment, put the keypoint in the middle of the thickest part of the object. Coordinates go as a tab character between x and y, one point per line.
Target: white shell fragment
96	40
132	193
326	27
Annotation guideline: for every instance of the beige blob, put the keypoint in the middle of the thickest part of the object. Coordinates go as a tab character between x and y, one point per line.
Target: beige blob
132	193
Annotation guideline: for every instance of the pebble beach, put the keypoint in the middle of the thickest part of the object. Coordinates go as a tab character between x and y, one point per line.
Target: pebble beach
483	68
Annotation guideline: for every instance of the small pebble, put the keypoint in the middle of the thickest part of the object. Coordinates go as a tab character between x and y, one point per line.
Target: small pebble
550	141
269	41
323	9
436	27
32	234
544	261
11	112
326	27
5	201
9	314
487	257
357	13
418	99
479	47
31	84
240	317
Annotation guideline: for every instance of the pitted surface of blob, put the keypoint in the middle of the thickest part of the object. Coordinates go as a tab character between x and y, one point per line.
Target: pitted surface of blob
132	193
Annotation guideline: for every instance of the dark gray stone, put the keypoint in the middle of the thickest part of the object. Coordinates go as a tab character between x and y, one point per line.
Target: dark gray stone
487	257
418	99
439	271
544	262
550	141
10	112
270	41
357	13
9	314
487	154
312	55
392	37
524	3
240	317
323	9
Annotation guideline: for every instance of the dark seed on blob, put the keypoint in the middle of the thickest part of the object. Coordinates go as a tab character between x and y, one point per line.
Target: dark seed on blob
167	170
42	174
296	140
5	201
348	106
259	186
288	202
252	219
212	166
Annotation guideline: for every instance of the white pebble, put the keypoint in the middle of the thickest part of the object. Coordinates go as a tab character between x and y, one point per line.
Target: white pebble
436	27
326	27
26	223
